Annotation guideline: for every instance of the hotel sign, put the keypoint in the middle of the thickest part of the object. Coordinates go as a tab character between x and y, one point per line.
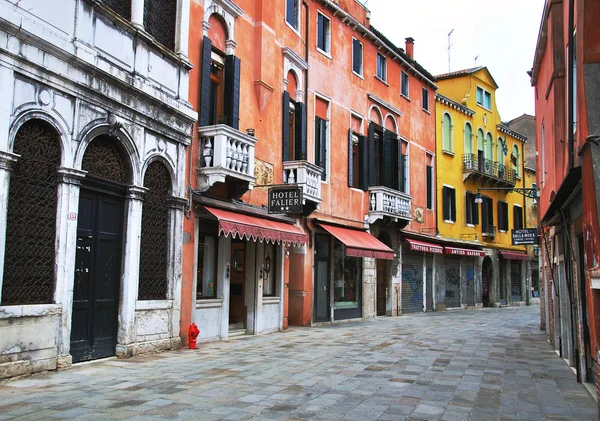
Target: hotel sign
285	200
524	236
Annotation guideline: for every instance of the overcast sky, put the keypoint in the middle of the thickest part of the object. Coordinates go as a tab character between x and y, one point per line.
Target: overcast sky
502	33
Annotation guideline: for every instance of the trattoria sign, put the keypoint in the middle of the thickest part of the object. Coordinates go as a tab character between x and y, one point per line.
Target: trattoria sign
285	200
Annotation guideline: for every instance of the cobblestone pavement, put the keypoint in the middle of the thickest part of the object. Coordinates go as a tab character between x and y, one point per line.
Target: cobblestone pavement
489	364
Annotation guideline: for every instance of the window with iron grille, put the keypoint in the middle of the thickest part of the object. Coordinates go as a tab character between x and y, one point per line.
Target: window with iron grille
31	217
155	234
103	159
121	7
160	19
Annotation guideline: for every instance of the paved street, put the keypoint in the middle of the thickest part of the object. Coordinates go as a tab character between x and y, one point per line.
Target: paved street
490	364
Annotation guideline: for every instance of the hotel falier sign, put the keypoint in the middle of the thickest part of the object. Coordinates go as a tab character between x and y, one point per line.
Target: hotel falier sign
285	199
524	236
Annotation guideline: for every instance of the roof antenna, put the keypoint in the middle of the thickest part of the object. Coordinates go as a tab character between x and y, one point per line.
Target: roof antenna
449	45
476	57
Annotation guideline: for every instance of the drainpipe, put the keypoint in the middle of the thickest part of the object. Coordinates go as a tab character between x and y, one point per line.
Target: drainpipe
570	93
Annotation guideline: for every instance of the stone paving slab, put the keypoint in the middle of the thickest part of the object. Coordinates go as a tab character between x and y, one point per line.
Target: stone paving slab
487	364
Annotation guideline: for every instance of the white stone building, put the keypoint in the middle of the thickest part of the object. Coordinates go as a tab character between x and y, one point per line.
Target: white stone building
94	125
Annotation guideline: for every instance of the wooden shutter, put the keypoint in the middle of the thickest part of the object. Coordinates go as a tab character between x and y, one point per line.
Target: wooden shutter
300	131
387	176
350	160
401	169
318	121
323	150
363	158
445	203
285	130
372	175
429	187
453	205
356	56
475	211
204	116
468	208
232	91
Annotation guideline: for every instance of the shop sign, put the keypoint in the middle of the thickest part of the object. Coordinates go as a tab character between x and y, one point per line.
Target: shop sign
464	252
285	200
524	236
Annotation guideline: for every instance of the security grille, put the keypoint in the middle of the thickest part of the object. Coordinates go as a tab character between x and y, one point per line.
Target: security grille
502	283
103	159
469	299
452	265
429	282
121	7
31	217
515	280
154	241
412	282
160	18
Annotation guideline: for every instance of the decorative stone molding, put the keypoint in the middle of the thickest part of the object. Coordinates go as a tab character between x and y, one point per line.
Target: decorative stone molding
178	203
293	62
70	175
228	10
136	192
7	159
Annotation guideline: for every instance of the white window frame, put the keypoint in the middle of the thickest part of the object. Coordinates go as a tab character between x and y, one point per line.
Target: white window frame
296	26
483	96
362	56
327	50
384	79
448	221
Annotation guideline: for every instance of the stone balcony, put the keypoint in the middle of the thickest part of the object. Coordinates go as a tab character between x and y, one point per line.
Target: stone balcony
387	202
307	176
226	155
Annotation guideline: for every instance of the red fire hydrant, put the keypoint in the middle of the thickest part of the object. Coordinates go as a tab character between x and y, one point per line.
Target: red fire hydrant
193	333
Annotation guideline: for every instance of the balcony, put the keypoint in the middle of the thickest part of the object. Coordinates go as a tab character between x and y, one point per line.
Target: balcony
488	169
488	231
307	176
390	203
226	155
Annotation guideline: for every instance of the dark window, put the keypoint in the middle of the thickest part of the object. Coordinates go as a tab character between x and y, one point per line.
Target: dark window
160	20
404	83
121	7
155	234
103	159
425	99
270	271
321	145
487	216
357	56
502	216
292	11
323	32
356	157
517	217
429	171
347	278
31	217
206	278
216	92
449	203
472	209
381	67
294	129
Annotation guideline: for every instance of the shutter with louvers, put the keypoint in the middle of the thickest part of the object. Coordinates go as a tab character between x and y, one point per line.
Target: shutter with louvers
446	203
500	216
232	91
468	208
204	117
412	281
429	187
300	132
401	164
318	121
475	210
453	205
363	162
285	115
356	56
372	169
387	175
350	160
323	149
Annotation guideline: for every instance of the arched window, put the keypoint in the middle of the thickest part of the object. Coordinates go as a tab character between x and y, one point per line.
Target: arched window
489	147
480	140
447	133
155	234
500	152
515	161
468	139
103	159
160	21
31	217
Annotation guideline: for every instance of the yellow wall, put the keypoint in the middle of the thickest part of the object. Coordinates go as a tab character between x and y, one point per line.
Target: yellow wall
450	166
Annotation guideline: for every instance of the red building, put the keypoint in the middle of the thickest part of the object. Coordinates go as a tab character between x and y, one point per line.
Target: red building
566	77
309	96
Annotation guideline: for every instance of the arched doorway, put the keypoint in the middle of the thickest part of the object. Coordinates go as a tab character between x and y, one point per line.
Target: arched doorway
486	280
384	277
99	250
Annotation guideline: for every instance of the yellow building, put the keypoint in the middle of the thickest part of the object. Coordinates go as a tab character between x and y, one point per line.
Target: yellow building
479	160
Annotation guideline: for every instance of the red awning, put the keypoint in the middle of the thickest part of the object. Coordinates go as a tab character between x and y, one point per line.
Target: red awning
256	228
514	255
426	247
359	243
464	252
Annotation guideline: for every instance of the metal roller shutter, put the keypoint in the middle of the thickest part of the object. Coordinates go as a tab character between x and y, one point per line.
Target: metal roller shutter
515	280
502	282
429	282
469	299
412	281
452	265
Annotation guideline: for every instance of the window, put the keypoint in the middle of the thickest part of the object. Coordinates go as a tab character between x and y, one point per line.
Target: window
468	139
122	7
357	56
502	216
472	209
488	152
403	168
543	155
323	33
294	129
206	275
487	217
447	133
517	217
404	85
484	98
347	278
425	99
357	161
449	204
381	67
429	175
514	161
160	21
270	271
292	13
574	81
321	145
217	85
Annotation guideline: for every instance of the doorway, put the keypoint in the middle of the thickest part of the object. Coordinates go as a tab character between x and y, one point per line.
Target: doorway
382	277
486	277
97	276
322	271
237	290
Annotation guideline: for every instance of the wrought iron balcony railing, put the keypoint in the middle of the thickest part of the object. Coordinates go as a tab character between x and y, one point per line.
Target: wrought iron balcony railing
307	176
384	201
488	168
488	230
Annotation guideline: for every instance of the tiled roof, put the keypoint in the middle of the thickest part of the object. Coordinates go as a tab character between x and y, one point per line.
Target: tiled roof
451	103
458	73
505	129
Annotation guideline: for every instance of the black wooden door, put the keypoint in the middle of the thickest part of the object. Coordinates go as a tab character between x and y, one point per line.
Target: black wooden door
381	286
97	276
321	309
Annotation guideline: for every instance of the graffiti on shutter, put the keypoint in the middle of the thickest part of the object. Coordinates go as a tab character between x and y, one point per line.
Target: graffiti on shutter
429	282
412	282
452	281
470	282
515	280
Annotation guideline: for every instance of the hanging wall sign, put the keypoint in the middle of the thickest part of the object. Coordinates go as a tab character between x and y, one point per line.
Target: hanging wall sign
285	200
524	236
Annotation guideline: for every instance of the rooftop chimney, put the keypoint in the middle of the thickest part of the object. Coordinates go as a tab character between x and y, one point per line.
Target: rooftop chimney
410	44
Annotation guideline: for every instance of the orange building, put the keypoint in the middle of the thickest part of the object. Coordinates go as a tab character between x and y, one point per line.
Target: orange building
304	98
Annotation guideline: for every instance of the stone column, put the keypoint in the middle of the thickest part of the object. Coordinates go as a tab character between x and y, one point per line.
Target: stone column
6	161
69	182
126	335
137	13
174	270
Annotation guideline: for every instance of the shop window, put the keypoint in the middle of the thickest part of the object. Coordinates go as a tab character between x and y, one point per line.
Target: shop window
292	13
449	204
404	82
323	33
347	278
206	276
381	67
269	271
160	20
357	57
